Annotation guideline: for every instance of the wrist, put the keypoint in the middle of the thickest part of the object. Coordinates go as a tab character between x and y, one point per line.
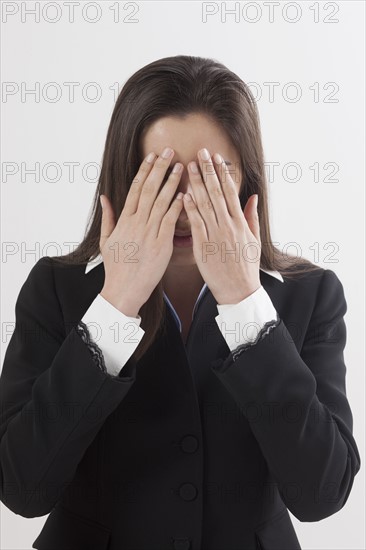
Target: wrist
123	305
238	296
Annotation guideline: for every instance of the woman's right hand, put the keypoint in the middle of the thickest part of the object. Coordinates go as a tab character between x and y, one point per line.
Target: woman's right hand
136	251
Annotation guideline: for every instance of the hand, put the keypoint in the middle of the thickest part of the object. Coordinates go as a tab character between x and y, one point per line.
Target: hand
226	241
136	251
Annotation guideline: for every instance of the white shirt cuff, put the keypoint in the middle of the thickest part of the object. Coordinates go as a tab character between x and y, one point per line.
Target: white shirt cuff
115	333
240	323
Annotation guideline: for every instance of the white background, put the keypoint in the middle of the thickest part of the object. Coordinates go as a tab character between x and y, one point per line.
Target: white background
39	217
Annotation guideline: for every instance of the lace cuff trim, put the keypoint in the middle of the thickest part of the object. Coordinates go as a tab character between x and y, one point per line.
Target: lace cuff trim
268	326
94	349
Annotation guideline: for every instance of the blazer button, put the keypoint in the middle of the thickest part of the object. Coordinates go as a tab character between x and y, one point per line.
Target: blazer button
181	544
189	444
187	491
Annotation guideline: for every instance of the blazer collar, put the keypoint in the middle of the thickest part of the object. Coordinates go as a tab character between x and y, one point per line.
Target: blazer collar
98	260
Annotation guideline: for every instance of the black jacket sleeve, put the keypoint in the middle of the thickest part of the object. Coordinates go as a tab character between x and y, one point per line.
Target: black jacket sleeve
297	407
54	399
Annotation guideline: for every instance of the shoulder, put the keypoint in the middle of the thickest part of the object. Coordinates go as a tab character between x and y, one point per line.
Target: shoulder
313	280
39	277
51	276
319	280
305	294
50	270
320	290
62	269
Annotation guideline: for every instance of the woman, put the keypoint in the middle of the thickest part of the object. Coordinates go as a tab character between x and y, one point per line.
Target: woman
187	389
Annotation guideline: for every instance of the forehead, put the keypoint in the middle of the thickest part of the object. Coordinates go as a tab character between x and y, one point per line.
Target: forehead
186	135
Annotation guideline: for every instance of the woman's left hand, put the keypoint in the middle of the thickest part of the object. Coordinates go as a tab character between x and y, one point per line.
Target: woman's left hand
226	240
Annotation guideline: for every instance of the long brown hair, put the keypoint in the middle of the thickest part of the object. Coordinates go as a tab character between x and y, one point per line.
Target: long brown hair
178	86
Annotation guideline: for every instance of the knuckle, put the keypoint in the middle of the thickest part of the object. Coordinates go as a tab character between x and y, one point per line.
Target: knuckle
148	188
144	168
218	192
206	205
134	189
136	181
159	203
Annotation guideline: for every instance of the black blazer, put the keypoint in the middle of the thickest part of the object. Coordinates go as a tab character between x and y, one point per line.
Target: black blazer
186	449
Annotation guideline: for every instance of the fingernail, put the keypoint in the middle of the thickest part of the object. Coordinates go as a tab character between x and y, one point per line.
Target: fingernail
193	167
150	157
167	152
177	167
205	155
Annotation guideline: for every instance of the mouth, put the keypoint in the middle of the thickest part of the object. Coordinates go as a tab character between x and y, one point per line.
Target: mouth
182	235
183	241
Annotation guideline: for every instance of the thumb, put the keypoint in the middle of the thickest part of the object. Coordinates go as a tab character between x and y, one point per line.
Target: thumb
251	215
108	222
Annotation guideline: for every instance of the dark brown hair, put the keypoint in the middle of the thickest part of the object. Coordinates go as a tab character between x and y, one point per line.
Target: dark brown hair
178	86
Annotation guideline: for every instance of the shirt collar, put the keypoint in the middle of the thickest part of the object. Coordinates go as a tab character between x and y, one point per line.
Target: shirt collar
99	259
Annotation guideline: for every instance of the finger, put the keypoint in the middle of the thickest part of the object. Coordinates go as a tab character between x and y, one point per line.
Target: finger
228	186
108	221
251	216
152	185
201	197
213	187
167	226
132	199
200	232
164	199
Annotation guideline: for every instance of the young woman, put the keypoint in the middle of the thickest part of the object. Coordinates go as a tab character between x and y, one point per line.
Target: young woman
187	389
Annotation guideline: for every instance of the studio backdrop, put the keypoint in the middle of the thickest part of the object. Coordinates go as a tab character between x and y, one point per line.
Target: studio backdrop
63	66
